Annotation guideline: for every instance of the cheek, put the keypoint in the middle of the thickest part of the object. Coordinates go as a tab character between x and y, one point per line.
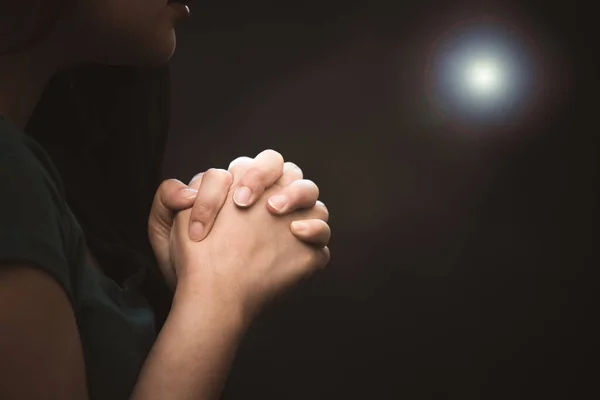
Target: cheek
128	36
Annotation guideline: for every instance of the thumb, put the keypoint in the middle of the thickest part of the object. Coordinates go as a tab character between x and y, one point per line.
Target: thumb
172	196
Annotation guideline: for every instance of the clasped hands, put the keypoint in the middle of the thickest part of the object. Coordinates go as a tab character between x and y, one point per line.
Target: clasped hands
246	233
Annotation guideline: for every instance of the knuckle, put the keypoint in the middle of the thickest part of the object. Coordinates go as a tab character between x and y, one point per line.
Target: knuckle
165	190
254	178
217	174
211	172
320	211
167	184
273	154
239	161
202	212
311	187
292	167
303	192
320	205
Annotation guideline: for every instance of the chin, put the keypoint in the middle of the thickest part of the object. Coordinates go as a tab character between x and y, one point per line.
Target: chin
161	53
155	51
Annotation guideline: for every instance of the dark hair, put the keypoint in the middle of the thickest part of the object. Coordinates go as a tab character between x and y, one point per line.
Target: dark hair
105	128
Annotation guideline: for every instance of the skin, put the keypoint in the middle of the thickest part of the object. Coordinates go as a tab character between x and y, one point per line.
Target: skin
244	256
79	36
245	266
207	196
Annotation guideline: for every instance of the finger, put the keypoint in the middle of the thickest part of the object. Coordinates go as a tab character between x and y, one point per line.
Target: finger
171	196
265	171
321	211
313	231
211	197
196	181
297	195
291	173
238	166
318	211
175	195
322	258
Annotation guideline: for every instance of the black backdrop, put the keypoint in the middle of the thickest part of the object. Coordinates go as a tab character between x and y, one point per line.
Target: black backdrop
459	262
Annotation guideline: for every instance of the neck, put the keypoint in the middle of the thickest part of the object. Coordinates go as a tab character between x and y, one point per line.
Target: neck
23	78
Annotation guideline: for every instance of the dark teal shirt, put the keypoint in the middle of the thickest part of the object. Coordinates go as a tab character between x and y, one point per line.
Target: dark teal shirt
116	326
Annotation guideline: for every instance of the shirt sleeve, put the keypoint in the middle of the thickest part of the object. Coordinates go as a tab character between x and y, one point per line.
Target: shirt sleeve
31	211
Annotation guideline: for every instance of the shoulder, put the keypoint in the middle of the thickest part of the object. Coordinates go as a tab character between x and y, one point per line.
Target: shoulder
31	207
27	174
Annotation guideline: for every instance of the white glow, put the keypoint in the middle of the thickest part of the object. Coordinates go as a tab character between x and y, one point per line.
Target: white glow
483	74
484	77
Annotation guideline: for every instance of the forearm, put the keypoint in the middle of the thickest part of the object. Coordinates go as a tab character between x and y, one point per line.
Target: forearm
194	351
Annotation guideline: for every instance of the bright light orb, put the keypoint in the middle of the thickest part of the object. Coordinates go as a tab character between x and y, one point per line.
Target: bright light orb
483	74
484	77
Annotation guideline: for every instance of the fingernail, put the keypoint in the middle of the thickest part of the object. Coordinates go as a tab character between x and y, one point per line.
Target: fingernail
299	226
189	193
242	196
278	202
196	231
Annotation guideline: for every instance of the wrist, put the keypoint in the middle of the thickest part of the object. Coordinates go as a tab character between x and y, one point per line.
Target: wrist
208	301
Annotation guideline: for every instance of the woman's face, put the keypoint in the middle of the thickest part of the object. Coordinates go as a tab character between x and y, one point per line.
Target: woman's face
116	32
131	32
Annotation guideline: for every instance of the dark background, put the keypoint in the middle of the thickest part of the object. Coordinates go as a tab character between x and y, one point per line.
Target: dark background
461	263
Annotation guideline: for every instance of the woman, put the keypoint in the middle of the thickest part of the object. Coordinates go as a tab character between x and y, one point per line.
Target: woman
82	122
